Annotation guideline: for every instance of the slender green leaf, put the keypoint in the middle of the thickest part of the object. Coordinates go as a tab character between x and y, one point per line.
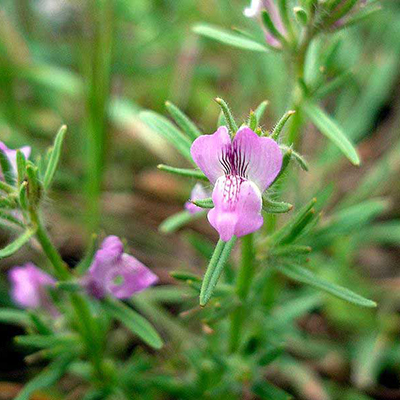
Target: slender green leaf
296	156
331	130
46	341
176	221
203	203
266	391
54	157
49	376
229	38
306	276
11	218
166	129
183	121
16	244
191	173
14	317
137	324
214	269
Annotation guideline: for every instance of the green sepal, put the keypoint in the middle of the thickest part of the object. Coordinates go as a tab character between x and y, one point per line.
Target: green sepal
34	188
54	157
252	121
21	166
276	131
260	110
232	126
276	207
203	203
296	156
301	15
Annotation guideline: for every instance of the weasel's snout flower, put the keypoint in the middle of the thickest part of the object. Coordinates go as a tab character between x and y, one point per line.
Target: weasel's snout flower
198	193
240	169
117	273
254	11
12	154
28	287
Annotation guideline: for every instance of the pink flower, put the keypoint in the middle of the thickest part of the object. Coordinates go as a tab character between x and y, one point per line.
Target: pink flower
254	11
117	273
28	287
198	193
12	154
240	170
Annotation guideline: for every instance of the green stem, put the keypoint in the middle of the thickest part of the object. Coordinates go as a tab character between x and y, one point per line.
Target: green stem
243	284
85	321
6	188
97	65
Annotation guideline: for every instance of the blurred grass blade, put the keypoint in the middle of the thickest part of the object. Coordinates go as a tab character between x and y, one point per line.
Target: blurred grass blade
382	233
16	244
165	128
214	269
303	275
11	218
54	157
176	221
137	324
331	130
229	38
46	341
191	173
14	317
264	390
49	376
183	121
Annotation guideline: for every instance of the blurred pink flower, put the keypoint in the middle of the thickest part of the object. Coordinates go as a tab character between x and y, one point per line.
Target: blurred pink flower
28	287
254	11
198	193
117	273
240	170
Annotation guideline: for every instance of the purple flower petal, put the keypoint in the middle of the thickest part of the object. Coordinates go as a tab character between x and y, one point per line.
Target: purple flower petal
116	273
262	155
237	210
28	285
198	193
207	150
